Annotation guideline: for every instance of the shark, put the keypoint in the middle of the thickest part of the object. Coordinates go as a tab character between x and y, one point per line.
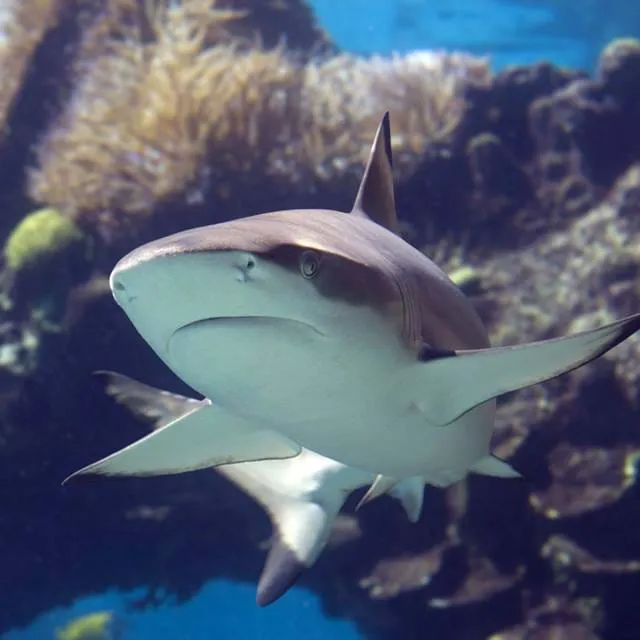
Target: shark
302	495
324	330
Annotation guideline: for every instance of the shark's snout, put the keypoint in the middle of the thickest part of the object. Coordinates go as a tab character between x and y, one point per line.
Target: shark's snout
122	291
134	274
118	287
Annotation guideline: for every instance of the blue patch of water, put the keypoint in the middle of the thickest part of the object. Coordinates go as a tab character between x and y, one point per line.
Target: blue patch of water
568	33
223	609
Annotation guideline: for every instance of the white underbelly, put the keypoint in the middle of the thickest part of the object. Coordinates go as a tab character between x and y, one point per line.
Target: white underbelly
402	444
284	372
341	400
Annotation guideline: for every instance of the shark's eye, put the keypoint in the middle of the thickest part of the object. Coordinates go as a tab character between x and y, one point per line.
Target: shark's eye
309	264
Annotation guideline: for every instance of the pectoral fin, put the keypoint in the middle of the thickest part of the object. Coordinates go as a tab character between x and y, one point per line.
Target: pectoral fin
457	381
205	436
147	403
301	525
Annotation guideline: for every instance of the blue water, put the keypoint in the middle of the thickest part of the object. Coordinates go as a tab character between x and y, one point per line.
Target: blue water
222	610
567	32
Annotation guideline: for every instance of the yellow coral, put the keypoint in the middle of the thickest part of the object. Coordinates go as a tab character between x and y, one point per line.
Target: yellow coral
424	91
93	626
39	238
466	278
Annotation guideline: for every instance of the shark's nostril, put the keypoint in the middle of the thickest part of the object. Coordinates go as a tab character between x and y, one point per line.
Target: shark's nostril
118	286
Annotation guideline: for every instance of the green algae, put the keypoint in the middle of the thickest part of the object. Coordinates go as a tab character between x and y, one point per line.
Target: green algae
45	255
40	239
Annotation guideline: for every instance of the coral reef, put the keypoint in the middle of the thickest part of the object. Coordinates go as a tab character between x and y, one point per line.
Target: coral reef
188	116
26	26
525	186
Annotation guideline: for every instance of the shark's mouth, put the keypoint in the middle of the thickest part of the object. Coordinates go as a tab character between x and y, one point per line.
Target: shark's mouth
250	321
241	357
242	326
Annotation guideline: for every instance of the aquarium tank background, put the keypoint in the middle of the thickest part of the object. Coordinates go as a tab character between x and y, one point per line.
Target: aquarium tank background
515	131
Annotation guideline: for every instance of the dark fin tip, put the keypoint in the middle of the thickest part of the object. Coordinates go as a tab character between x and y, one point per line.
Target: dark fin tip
281	571
104	378
80	478
428	353
629	327
376	194
386	131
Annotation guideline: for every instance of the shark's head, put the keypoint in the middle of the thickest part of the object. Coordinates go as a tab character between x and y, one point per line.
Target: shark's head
276	289
296	267
292	267
310	295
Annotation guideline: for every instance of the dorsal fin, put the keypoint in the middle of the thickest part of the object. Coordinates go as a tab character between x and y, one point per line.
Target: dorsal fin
375	199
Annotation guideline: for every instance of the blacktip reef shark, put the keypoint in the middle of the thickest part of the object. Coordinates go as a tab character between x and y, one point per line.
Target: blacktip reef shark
302	494
325	330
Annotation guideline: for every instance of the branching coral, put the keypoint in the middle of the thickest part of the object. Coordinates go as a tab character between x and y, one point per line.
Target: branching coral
250	21
141	22
424	91
138	125
172	111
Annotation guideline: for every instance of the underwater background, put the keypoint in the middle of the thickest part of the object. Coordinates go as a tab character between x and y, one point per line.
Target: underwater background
517	156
